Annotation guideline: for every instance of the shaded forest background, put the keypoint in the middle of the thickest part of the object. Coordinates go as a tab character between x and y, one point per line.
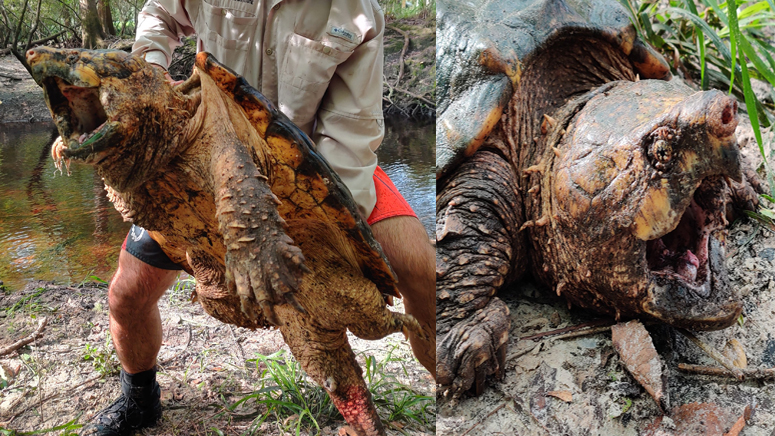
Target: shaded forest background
97	23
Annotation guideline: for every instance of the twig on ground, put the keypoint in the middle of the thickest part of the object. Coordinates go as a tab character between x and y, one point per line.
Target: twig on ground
24	341
713	353
403	53
518	354
587	332
748	373
572	328
738	427
485	418
70	391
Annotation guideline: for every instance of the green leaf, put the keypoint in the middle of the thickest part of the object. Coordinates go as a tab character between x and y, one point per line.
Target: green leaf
720	46
734	31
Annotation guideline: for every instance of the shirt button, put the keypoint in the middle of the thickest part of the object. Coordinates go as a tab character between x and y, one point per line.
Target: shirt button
269	52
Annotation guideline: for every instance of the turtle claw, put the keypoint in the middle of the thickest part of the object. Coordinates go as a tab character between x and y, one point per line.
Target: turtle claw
474	349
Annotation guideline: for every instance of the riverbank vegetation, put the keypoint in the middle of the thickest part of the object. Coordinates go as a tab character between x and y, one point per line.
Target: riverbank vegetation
727	46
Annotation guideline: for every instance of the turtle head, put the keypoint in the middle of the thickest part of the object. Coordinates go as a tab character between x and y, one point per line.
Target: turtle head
642	184
110	108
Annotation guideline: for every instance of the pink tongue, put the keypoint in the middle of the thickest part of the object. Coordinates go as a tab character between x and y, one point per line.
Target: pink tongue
82	138
687	266
689	257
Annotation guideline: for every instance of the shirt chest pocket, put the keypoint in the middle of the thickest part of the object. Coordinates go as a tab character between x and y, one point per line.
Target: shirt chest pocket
307	69
226	33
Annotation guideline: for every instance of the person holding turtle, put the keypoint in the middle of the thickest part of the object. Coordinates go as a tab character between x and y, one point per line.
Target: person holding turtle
321	64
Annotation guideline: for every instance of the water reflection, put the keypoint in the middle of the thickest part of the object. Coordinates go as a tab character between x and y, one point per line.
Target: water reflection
59	228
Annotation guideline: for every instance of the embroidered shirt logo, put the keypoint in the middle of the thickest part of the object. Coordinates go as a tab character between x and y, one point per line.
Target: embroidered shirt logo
341	32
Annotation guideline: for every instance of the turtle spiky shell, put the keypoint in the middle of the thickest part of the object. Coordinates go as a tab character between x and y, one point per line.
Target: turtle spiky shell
300	177
484	45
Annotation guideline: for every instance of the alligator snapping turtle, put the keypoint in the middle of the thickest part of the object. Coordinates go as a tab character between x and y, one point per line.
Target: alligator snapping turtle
235	193
556	157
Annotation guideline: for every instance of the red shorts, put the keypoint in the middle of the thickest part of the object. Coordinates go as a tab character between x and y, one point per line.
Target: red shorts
390	203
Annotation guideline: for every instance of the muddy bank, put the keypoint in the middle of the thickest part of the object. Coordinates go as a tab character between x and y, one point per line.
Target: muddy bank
21	99
204	366
604	398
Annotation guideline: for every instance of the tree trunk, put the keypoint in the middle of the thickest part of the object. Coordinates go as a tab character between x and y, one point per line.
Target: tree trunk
106	17
92	33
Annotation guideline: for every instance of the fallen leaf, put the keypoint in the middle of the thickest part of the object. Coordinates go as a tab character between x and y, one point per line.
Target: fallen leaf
347	431
563	395
690	419
635	348
735	352
738	427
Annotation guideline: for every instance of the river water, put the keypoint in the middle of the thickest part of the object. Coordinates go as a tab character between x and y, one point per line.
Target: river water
63	229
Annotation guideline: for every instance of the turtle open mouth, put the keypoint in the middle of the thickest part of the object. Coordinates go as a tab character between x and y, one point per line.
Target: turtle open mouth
684	254
80	116
689	286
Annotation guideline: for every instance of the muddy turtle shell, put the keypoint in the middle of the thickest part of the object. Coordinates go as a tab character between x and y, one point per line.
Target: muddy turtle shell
484	45
300	177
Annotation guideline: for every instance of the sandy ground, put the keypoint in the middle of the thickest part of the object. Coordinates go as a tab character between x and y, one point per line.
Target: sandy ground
606	399
204	365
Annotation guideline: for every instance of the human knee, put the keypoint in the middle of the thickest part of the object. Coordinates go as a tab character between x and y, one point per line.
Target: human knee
137	284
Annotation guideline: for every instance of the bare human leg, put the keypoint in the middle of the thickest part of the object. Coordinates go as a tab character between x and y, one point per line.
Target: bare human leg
135	323
406	244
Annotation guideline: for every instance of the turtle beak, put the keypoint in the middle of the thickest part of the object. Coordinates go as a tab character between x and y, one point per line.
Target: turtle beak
71	87
683	219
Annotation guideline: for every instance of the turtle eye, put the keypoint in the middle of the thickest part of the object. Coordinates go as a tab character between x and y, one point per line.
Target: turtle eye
662	151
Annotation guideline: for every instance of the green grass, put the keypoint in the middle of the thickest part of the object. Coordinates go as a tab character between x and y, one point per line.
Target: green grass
414	8
28	303
102	357
68	429
295	403
724	46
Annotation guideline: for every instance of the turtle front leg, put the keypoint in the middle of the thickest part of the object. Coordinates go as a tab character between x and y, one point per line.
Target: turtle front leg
478	248
261	261
326	356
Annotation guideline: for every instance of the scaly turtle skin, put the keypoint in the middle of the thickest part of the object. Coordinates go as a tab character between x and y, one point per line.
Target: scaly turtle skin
556	158
235	193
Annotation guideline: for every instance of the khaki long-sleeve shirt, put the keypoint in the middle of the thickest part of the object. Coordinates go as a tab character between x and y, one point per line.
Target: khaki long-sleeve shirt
320	61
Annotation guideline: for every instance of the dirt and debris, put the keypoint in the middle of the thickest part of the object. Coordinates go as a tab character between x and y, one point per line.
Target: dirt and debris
606	398
204	365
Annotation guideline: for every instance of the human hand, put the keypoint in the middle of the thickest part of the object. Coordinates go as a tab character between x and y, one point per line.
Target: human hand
167	75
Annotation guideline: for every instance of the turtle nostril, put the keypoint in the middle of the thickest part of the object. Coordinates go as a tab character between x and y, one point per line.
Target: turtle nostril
723	117
728	113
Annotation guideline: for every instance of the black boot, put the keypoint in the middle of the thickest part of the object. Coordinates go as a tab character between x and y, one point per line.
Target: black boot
137	407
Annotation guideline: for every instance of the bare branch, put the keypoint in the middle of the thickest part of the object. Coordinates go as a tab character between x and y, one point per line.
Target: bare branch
34	26
24	341
19	26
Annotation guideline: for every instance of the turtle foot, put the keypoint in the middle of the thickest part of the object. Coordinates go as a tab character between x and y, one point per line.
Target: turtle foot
263	265
474	348
327	357
357	408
